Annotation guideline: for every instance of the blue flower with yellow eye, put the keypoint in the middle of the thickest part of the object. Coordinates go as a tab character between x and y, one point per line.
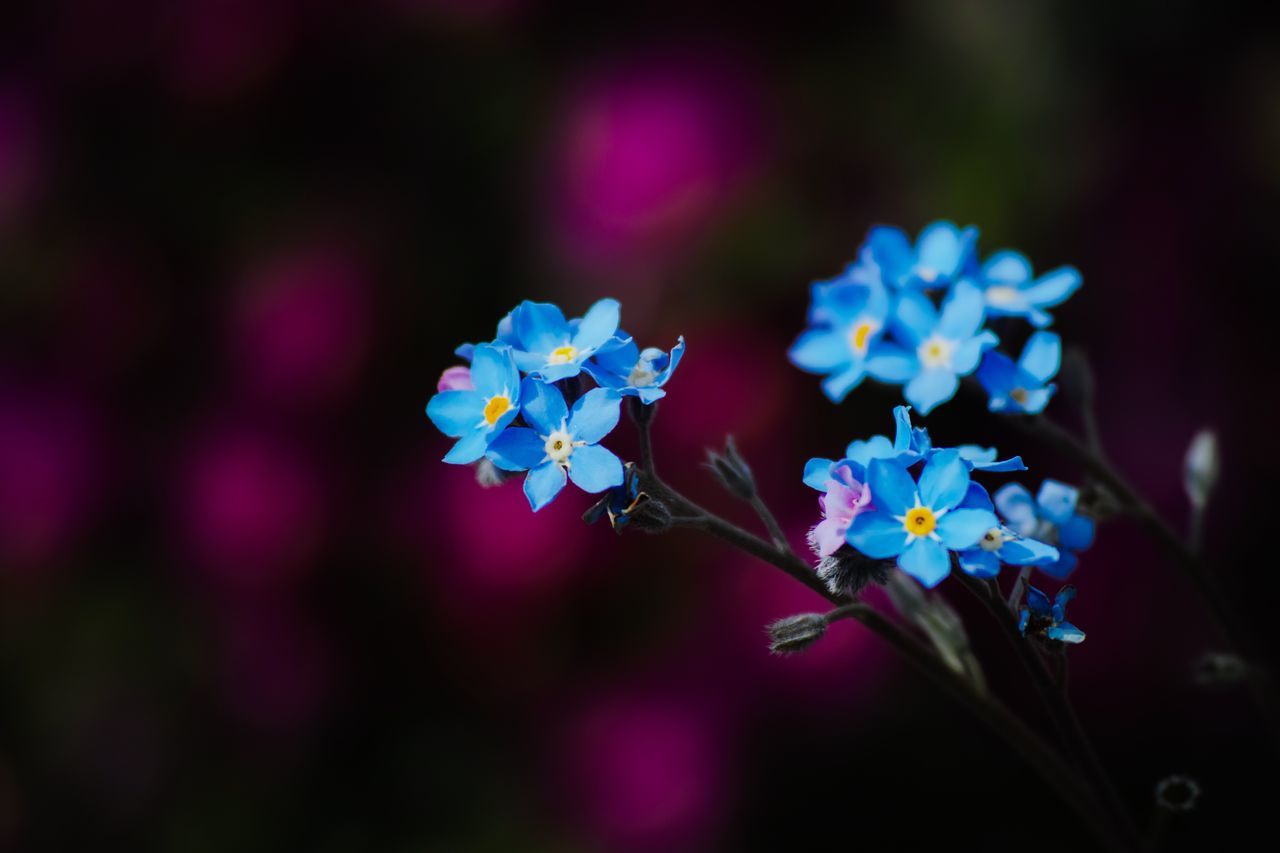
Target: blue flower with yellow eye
942	255
1000	545
848	315
1047	620
1051	517
560	443
478	415
944	345
635	372
552	348
920	522
1024	386
1010	289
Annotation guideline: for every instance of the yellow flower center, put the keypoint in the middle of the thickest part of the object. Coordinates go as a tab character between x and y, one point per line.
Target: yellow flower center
935	352
1019	396
496	408
563	355
920	521
860	336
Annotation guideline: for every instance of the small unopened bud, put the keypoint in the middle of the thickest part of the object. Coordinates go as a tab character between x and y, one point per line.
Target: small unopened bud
653	516
1200	471
796	633
1177	793
732	470
848	571
1219	669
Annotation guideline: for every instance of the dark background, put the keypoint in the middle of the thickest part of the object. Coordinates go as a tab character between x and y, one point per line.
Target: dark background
244	607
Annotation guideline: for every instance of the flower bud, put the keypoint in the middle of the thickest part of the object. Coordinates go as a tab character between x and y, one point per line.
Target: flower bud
1217	669
1200	471
1177	793
732	471
848	571
796	633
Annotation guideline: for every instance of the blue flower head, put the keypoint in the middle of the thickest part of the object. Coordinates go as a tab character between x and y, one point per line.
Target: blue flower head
1049	621
848	316
1010	289
975	456
621	503
634	372
941	256
920	522
1024	386
1001	545
476	417
859	453
552	348
560	442
946	345
1050	518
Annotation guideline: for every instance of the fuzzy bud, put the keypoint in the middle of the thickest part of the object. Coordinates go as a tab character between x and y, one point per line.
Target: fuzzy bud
848	572
1201	468
732	471
796	633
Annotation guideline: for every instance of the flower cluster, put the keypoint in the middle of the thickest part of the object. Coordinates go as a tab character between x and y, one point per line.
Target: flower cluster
907	500
915	315
1048	620
521	403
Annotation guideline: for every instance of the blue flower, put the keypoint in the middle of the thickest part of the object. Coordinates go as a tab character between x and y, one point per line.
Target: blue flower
634	372
975	456
560	442
849	314
1001	545
1010	289
946	345
1022	387
550	347
858	455
920	522
621	503
942	255
1049	621
1051	518
476	417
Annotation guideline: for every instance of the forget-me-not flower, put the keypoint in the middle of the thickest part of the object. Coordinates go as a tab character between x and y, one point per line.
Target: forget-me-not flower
946	345
1051	518
919	522
560	442
941	256
859	453
635	372
1049	620
552	348
849	315
1000	545
479	414
1023	386
1010	289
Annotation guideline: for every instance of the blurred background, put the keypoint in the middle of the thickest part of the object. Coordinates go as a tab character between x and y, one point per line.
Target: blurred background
243	606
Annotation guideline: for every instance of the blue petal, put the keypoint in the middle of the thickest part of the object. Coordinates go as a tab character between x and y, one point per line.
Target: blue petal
876	447
469	448
1077	534
1023	619
1064	597
1028	552
1057	501
820	351
931	388
892	252
1038	601
877	534
1042	356
598	325
594	469
901	429
517	449
540	326
962	312
943	248
594	415
962	528
891	363
1018	508
969	353
816	473
1066	564
542	406
556	372
926	561
839	302
543	484
673	360
493	372
838	386
529	362
915	318
618	360
892	489
944	481
980	563
647	395
1000	466
1007	268
456	413
997	374
1054	287
1065	632
976	498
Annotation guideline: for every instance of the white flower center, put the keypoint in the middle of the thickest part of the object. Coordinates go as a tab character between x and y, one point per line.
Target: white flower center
642	375
1002	294
936	352
559	447
992	540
